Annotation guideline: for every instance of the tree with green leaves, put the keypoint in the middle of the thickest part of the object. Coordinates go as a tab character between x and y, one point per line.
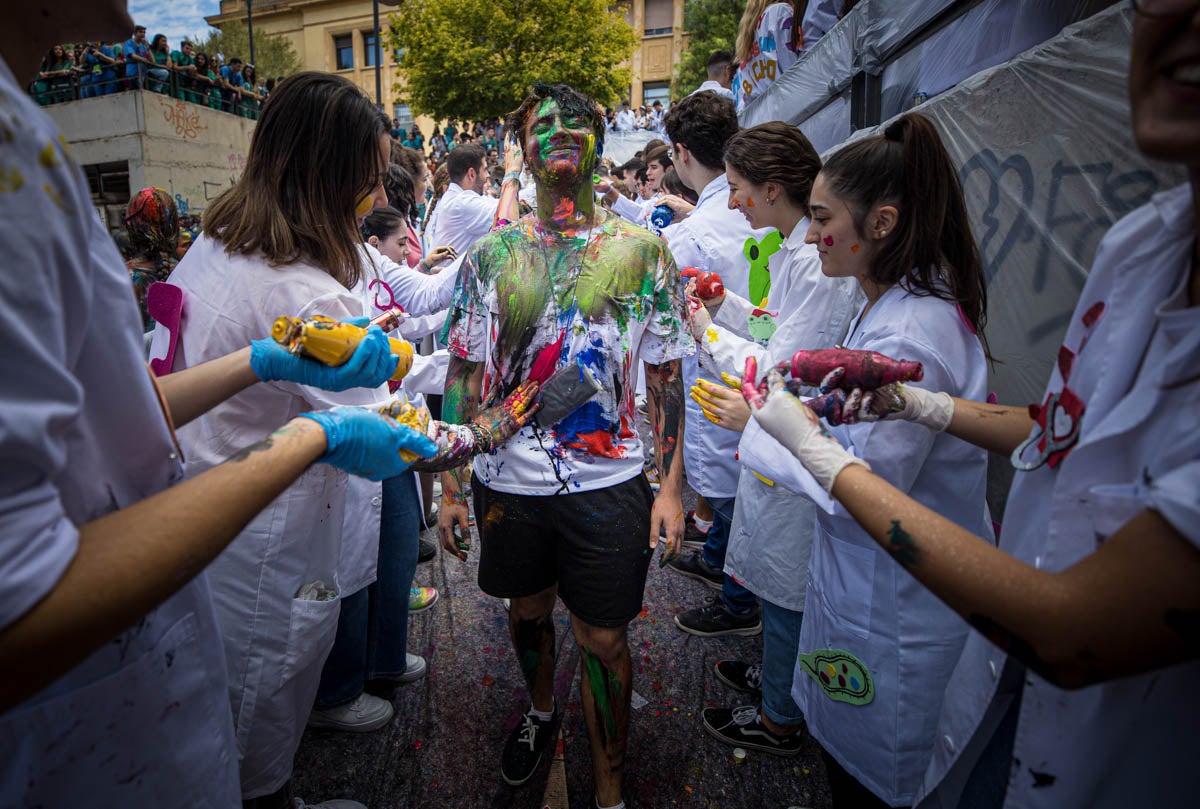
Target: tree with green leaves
471	59
711	25
273	53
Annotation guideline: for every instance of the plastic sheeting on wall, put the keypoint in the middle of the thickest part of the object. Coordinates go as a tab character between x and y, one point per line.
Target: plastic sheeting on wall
1048	164
621	146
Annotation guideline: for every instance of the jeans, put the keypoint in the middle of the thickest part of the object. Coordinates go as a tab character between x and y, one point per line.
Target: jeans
372	632
781	641
735	596
163	77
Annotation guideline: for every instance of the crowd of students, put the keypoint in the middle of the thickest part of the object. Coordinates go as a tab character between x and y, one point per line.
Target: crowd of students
202	560
89	69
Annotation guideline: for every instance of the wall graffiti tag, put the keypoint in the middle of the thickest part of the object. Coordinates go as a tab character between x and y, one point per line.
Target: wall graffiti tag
184	117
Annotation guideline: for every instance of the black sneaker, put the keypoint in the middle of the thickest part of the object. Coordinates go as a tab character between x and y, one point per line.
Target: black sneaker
525	747
426	550
740	676
693	537
715	619
742	727
694	567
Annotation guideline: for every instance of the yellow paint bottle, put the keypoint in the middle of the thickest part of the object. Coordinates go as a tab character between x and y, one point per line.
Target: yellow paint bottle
332	341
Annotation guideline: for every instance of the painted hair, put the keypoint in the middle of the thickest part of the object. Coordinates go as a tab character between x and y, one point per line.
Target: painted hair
382	223
569	100
931	246
152	224
703	123
776	153
314	155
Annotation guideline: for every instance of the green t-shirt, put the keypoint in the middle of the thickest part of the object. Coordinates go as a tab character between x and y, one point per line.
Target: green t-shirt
178	58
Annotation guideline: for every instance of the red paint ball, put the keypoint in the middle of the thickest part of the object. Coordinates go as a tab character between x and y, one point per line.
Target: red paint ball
828	241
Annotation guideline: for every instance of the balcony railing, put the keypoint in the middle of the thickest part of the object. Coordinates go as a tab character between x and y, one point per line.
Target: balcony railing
76	85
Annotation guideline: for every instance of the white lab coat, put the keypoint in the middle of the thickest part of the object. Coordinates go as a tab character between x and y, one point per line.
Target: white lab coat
714	86
859	599
275	642
144	719
625	119
636	211
771	539
1131	741
460	219
712	238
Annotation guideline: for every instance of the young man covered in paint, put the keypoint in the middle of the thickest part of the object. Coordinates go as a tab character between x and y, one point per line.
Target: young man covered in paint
563	508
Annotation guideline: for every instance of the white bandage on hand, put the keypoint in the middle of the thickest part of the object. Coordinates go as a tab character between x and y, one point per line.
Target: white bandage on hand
796	427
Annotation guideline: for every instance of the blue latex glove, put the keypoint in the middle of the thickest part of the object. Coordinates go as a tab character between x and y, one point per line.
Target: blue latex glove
371	364
364	443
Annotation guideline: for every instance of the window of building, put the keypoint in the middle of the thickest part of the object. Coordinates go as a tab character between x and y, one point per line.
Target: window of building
660	17
343	48
403	115
370	49
656	91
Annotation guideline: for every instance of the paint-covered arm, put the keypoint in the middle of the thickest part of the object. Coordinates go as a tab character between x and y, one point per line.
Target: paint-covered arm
1130	607
664	396
460	404
509	208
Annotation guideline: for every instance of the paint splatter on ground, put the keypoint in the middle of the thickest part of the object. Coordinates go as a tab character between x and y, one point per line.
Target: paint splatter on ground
443	748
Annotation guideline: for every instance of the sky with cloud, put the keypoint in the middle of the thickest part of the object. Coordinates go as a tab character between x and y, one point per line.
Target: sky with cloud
175	18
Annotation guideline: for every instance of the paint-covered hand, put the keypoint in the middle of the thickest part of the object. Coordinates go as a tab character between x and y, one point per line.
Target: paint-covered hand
666	520
454	521
895	401
514	157
502	421
707	286
361	441
458	443
371	364
723	406
676	203
699	320
437	256
795	426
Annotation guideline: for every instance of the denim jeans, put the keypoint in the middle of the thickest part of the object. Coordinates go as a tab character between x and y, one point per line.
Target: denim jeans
735	596
372	632
781	640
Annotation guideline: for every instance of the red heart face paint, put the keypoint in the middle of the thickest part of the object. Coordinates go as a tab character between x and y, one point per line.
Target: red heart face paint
828	241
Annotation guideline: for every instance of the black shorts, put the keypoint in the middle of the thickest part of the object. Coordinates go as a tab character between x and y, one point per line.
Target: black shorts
594	545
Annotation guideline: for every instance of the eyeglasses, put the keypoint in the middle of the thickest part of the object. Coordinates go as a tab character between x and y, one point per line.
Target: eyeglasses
1165	8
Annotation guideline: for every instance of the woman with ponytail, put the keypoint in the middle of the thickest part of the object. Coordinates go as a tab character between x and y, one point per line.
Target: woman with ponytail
771	169
877	649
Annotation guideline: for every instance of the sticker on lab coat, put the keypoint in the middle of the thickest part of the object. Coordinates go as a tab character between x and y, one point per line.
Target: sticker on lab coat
840	674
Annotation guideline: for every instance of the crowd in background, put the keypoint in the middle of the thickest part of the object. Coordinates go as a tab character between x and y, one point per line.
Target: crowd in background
92	68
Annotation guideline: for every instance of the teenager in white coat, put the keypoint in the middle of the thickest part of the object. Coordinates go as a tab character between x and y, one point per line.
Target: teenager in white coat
285	240
889	212
770	169
112	677
1079	688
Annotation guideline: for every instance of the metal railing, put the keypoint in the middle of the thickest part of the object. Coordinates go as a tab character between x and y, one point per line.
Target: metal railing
175	83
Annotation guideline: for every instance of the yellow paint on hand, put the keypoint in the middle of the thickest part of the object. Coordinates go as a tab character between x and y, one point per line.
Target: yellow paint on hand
731	381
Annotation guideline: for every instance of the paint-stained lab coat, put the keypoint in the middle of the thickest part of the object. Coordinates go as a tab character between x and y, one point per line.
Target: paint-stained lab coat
771	539
276	633
144	719
712	238
1130	741
862	601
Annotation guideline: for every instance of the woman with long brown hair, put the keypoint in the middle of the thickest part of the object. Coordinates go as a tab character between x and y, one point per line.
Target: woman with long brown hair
876	649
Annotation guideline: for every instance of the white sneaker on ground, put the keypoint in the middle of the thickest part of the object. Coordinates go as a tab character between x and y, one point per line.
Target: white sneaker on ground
365	714
415	668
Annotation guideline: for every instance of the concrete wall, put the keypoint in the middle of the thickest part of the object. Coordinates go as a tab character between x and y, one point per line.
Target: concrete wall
192	151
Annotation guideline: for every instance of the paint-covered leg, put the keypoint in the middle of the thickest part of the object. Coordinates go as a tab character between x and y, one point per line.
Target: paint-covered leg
531	627
606	689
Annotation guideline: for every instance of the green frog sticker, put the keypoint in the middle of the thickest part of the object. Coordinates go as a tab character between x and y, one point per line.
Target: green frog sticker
758	253
761	325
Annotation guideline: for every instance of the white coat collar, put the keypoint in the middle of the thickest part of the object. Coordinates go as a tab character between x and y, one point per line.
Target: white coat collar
719	185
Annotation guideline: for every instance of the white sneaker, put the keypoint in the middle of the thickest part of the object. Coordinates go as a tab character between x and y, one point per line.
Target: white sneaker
415	668
365	714
337	803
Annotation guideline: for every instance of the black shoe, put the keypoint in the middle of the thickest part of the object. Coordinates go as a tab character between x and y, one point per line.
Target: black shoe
525	747
693	537
740	676
694	567
741	727
427	550
715	619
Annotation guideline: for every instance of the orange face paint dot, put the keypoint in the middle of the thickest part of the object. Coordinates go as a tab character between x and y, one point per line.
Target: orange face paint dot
750	202
854	248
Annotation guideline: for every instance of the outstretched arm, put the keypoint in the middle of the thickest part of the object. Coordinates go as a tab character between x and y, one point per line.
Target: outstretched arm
664	395
464	381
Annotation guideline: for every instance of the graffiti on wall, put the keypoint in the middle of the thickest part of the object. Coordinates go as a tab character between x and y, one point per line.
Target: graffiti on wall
184	117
